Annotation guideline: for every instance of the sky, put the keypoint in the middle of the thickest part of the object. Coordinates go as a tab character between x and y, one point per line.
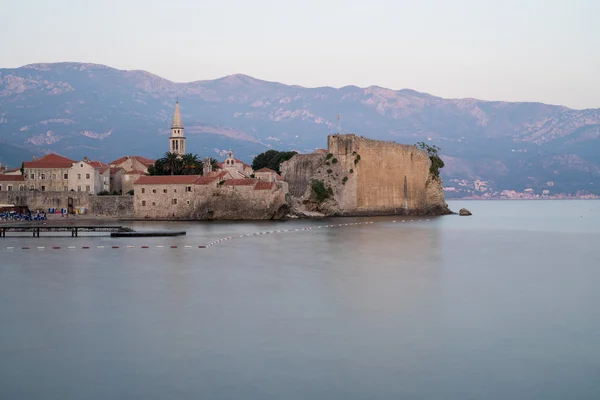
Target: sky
529	50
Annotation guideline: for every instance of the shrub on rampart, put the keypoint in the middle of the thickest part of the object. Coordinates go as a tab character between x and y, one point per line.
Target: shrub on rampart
321	192
436	162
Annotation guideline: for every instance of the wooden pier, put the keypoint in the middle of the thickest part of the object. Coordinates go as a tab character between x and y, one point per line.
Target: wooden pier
74	229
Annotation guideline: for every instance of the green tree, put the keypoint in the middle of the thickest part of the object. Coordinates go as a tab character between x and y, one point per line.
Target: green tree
271	159
191	164
22	168
434	155
172	163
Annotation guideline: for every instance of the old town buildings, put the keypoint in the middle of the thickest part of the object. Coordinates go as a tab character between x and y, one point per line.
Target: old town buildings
228	190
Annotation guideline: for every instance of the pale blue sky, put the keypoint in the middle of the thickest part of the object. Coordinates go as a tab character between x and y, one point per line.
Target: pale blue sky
544	50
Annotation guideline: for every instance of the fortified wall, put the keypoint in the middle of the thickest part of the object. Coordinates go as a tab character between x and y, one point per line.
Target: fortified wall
106	206
243	199
367	177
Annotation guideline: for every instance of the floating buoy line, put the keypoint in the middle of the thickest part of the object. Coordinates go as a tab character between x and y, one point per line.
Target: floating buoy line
210	244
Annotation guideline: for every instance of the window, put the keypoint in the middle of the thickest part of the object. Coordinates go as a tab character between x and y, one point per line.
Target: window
65	176
0	188
164	190
153	203
143	190
53	176
32	176
143	203
188	202
42	176
79	188
174	202
43	188
9	188
32	187
174	190
81	165
66	188
78	176
188	189
153	190
87	188
87	176
22	188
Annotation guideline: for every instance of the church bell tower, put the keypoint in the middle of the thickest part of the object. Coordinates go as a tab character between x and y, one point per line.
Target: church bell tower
177	140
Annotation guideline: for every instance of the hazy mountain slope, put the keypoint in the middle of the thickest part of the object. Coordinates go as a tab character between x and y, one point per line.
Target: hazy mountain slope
100	112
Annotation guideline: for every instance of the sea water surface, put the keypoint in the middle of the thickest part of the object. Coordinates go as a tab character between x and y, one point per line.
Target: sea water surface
500	305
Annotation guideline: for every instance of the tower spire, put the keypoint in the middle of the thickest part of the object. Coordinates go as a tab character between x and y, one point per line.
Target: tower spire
177	140
177	123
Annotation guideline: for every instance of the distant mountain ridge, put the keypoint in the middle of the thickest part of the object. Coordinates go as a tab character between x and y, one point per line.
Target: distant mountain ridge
92	110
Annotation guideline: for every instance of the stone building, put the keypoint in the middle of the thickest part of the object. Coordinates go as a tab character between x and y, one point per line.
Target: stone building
267	174
11	183
237	168
4	170
128	180
115	179
208	197
89	176
177	140
132	163
48	173
13	171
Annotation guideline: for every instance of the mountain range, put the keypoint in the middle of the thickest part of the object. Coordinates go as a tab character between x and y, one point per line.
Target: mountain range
78	109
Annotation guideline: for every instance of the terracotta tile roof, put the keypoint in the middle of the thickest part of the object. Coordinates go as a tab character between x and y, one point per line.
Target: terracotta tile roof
50	161
11	178
167	180
218	174
103	169
320	151
240	182
264	185
279	177
135	172
115	170
97	164
265	169
206	180
143	160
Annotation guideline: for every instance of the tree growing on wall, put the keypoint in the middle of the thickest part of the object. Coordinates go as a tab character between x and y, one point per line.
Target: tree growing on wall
271	159
434	155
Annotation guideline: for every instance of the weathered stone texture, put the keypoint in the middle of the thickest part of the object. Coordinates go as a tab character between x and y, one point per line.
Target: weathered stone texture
368	177
109	206
210	201
299	170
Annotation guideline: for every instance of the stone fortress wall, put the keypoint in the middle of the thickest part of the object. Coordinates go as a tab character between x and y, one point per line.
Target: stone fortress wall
211	201
105	206
368	177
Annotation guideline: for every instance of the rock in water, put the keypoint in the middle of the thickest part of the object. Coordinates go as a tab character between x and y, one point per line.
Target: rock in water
464	212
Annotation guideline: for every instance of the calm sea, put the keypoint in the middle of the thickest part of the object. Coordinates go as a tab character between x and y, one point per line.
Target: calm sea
500	305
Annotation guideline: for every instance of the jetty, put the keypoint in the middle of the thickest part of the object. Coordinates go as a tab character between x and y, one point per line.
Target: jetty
147	234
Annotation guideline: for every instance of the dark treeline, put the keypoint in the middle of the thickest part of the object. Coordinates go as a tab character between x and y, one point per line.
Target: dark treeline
271	159
173	164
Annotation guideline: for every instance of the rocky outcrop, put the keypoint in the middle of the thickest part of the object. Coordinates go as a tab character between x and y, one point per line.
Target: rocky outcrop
360	176
299	170
435	203
464	212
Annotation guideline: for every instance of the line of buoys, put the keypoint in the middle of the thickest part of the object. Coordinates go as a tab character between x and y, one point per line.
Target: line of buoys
218	241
